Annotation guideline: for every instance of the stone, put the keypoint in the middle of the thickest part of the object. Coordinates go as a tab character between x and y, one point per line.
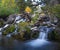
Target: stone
11	18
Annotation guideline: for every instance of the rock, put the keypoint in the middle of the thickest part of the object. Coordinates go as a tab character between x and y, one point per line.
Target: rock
34	28
8	29
21	20
6	26
34	33
11	19
1	22
37	24
16	18
0	33
1	29
27	16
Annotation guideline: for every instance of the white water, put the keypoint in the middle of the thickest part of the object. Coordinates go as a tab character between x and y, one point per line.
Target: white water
43	32
37	42
41	40
42	35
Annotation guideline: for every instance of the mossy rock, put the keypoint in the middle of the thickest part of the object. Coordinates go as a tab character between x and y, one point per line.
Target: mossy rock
51	36
34	19
23	26
1	23
54	36
10	29
19	37
57	35
34	34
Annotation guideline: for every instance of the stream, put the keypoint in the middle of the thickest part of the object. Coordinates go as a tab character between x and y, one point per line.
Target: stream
40	43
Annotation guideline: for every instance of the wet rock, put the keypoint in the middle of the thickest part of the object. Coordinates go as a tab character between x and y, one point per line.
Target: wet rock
11	19
34	32
16	18
6	26
27	16
21	20
1	22
1	29
9	29
37	24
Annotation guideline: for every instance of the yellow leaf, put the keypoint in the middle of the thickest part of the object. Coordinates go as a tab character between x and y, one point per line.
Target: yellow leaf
28	9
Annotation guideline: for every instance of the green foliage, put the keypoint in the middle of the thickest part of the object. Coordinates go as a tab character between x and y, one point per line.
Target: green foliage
8	7
0	24
10	29
23	26
34	19
55	10
7	11
23	31
21	4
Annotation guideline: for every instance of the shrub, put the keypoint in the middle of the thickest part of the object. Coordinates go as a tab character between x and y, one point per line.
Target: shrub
8	7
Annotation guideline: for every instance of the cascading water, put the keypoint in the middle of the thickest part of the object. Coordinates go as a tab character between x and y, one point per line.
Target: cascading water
42	38
44	30
42	34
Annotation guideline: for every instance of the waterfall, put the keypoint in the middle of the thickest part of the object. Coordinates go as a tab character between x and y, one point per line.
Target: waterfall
42	38
42	35
44	30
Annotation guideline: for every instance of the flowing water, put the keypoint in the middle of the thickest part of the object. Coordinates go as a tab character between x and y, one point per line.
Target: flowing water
41	42
38	44
44	30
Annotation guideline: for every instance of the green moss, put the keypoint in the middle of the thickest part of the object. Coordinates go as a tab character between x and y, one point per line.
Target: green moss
24	31
22	26
1	23
10	29
34	19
